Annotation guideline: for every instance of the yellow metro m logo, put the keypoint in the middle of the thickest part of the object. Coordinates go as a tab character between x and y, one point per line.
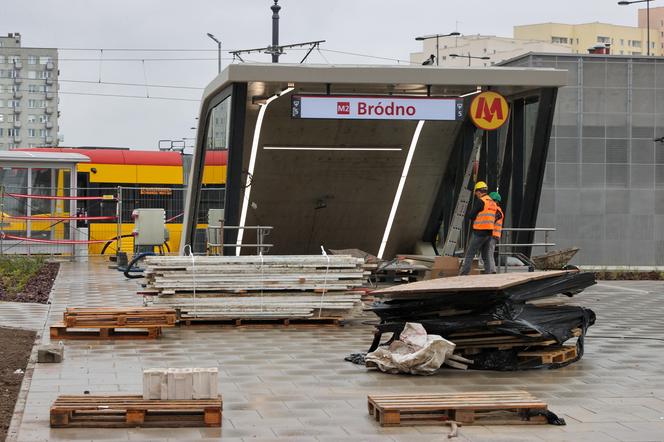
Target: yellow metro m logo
489	110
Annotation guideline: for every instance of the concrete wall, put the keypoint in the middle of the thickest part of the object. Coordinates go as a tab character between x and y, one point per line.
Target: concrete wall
604	183
356	188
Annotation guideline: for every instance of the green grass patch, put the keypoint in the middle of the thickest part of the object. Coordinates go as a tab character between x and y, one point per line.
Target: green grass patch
16	271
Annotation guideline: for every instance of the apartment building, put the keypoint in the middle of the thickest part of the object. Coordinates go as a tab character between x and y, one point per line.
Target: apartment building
480	50
28	95
622	40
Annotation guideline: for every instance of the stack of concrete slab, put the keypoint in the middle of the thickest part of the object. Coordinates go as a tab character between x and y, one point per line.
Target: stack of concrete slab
255	287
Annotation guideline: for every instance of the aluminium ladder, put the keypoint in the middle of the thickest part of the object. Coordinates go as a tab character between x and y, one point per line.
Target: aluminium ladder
465	195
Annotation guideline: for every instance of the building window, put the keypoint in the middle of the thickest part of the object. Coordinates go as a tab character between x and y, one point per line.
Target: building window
36	104
32	59
601	39
636	43
44	75
2	118
32	118
44	133
14	59
2	59
1	130
44	118
622	42
559	40
13	132
33	88
14	103
44	60
32	75
32	133
2	103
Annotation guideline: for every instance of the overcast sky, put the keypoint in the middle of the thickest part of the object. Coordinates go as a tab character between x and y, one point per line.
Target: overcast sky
382	28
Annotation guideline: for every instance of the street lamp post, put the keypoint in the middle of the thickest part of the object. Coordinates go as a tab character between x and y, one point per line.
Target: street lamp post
437	37
470	57
218	51
647	2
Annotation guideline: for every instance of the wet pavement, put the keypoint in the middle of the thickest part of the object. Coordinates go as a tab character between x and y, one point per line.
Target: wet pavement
293	384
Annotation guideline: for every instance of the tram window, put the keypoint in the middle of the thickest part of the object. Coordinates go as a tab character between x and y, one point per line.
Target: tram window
218	126
41	185
14	180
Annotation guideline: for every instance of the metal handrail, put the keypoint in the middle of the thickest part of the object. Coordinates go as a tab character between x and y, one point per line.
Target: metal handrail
529	229
261	233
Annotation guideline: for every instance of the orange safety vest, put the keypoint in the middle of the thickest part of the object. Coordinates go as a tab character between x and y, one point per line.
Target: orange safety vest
498	225
486	219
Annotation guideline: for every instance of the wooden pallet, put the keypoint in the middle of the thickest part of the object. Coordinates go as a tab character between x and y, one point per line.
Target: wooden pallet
558	355
61	331
267	322
119	317
134	411
477	341
497	408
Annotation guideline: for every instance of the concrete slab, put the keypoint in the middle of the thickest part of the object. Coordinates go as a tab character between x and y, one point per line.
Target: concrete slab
293	384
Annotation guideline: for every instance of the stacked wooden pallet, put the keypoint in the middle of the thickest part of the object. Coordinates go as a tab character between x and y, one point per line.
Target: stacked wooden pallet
113	323
255	287
134	411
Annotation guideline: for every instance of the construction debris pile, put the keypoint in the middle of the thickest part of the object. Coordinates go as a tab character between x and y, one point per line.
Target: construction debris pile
255	287
500	322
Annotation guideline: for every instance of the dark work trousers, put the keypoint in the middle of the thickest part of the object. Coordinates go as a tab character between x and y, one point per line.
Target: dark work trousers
481	243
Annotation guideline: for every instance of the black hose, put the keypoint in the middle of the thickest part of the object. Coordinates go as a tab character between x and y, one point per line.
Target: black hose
133	261
111	241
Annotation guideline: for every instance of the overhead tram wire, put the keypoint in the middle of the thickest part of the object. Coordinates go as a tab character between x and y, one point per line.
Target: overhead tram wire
112	83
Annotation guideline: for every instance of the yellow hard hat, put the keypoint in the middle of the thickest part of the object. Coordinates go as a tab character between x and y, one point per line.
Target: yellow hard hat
480	185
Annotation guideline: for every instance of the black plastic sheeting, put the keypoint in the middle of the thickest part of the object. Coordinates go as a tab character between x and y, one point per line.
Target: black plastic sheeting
429	305
502	312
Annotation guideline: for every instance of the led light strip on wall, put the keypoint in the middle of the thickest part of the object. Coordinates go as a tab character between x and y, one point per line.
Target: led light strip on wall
402	182
252	164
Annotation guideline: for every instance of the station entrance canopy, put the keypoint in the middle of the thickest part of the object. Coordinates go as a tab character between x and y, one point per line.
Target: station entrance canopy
367	157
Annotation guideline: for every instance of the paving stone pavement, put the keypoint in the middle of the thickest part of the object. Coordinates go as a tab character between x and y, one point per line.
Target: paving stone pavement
23	315
293	384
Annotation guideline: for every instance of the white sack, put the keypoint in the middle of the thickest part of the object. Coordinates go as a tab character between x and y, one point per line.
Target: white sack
415	353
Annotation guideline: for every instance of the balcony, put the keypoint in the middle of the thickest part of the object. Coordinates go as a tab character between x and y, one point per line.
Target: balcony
18	95
17	139
49	140
50	95
48	110
17	124
18	80
18	65
49	81
50	66
49	125
16	110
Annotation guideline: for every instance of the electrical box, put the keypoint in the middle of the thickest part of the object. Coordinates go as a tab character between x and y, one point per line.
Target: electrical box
215	220
149	227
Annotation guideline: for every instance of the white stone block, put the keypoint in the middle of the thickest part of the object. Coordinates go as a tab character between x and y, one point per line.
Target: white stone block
180	383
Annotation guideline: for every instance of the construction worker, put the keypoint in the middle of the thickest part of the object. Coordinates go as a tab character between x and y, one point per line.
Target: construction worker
498	225
483	218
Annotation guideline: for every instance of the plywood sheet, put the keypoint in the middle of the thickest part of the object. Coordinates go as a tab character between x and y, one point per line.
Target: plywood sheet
469	283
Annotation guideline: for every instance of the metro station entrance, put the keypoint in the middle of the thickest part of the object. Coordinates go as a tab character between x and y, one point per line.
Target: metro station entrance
367	157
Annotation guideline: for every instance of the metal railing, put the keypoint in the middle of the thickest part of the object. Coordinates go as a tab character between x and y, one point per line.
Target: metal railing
99	226
215	245
546	244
